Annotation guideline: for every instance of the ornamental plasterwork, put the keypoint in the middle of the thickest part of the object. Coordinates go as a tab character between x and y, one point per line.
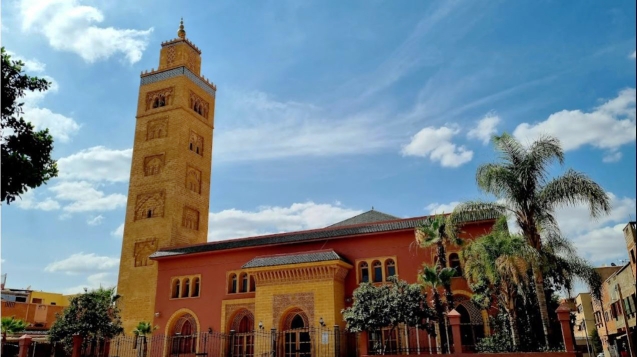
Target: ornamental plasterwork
312	273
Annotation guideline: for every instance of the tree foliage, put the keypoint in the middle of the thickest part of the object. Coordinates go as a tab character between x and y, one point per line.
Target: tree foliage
387	305
12	325
93	315
26	153
521	184
499	264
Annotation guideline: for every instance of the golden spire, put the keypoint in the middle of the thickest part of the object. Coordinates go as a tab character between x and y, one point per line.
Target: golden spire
181	33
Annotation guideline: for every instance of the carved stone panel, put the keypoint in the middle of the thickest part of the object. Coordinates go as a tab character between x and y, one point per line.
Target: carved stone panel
159	98
193	179
143	249
149	205
157	128
153	165
196	143
190	218
171	56
283	302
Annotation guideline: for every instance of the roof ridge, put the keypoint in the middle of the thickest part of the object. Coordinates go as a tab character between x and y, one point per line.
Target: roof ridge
296	253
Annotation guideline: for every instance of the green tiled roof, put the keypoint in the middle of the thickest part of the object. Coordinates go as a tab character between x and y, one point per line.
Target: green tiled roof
292	258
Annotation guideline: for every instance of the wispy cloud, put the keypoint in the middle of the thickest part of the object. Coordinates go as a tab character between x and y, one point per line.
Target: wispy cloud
233	223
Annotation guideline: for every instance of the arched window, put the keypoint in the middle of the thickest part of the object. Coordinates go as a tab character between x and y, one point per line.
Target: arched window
232	284
454	262
186	289
364	272
149	214
175	289
390	265
378	271
195	287
244	283
252	284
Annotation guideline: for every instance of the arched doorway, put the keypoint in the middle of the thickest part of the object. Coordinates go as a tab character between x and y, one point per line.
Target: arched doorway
184	336
242	331
296	329
471	324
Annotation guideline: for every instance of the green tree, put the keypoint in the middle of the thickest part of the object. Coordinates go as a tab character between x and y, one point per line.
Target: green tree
596	342
387	305
141	331
501	262
26	153
11	325
93	315
520	182
435	278
435	232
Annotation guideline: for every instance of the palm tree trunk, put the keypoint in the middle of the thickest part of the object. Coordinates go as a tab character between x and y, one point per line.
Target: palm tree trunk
513	318
541	301
442	255
441	321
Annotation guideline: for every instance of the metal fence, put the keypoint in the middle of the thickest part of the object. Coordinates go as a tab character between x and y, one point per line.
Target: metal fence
305	342
402	341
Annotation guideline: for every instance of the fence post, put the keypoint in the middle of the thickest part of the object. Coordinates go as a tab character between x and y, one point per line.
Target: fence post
273	342
232	342
24	342
363	343
337	341
107	348
564	315
77	346
454	321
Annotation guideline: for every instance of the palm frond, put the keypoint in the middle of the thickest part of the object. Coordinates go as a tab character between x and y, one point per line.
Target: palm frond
511	150
496	179
476	211
574	188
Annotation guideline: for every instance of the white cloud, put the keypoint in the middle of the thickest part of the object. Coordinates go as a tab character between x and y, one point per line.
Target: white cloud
85	197
81	263
608	126
633	55
485	128
612	156
70	26
603	245
439	208
118	232
97	164
93	281
95	221
436	144
60	127
28	201
233	223
270	129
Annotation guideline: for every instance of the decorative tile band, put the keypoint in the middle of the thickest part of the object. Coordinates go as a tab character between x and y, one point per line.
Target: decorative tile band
179	71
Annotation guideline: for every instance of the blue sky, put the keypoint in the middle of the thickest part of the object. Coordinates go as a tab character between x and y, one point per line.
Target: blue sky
324	109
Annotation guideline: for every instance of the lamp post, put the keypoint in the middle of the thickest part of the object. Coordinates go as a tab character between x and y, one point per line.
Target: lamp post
588	347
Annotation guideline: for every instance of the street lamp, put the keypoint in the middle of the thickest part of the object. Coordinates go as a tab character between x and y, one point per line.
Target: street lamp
583	325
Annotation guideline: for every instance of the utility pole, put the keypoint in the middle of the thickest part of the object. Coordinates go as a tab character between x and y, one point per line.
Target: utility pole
631	348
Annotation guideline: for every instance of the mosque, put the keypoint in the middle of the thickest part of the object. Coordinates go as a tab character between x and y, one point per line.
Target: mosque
171	276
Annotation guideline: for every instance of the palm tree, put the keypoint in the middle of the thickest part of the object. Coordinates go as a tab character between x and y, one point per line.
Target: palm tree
434	232
435	278
11	325
521	185
143	329
502	262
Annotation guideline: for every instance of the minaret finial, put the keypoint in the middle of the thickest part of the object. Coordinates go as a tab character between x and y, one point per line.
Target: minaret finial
181	33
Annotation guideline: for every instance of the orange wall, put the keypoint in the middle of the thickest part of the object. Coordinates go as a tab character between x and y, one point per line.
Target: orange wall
26	312
213	267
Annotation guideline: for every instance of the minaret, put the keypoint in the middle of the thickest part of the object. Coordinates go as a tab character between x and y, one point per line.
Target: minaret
169	190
